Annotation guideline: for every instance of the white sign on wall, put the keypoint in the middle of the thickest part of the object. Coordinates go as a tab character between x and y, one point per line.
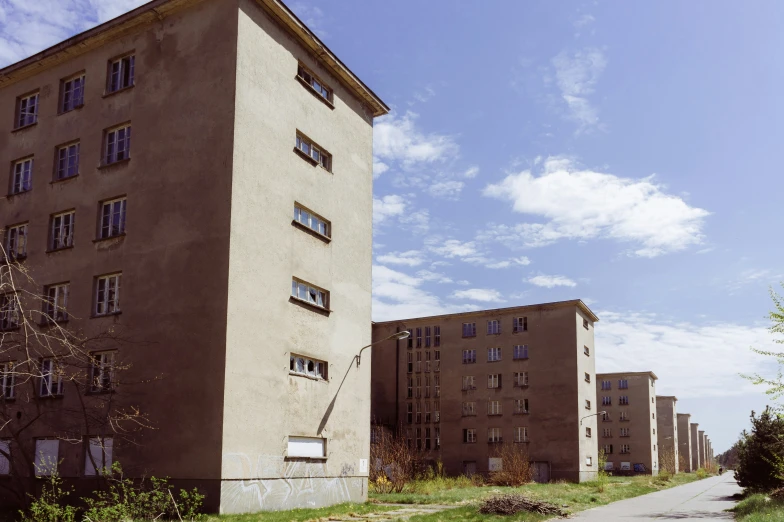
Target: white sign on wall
626	466
494	464
363	465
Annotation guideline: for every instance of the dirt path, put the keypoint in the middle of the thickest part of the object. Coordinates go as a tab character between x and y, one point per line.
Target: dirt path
405	512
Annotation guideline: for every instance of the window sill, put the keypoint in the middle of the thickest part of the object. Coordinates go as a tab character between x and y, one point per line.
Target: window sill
472	388
521	385
519	331
112	314
310	160
74	108
12	195
109	94
15	259
102	239
53	250
50	397
310	231
99	392
306	376
60	180
468	336
315	93
522	441
498	333
49	324
104	166
309	305
295	458
24	127
11	329
522	413
520	359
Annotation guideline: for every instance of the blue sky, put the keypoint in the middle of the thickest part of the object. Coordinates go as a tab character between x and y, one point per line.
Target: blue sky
624	153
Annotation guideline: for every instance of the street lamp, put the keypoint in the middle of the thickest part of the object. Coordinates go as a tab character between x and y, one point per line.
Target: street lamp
591	415
397	336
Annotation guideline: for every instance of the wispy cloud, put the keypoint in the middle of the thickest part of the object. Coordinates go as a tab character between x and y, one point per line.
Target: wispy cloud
584	204
312	16
576	75
387	207
515	261
483	295
750	277
408	258
551	281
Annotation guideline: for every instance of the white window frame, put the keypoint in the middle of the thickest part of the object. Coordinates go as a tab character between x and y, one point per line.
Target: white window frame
9	311
304	366
494	408
68	161
608	449
100	449
16	241
62	230
22	176
436	386
521	379
117	144
102	371
588	432
520	324
469	356
521	434
606	401
493	354
107	294
26	110
469	436
626	448
623	400
121	73
494	435
56	302
521	406
313	151
625	432
51	379
113	213
314	82
469	408
606	385
520	352
312	221
8	380
607	433
72	93
493	327
494	380
308	293
469	383
587	377
469	329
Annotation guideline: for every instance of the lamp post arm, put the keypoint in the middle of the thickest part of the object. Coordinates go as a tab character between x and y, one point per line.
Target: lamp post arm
397	335
592	415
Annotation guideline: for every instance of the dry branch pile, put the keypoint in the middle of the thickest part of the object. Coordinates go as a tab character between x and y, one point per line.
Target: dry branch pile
512	504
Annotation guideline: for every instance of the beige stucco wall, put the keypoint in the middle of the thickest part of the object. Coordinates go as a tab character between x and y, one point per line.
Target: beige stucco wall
696	461
701	447
667	430
684	443
264	405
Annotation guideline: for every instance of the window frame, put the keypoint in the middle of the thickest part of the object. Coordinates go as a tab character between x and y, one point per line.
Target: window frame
102	370
71	104
105	446
125	78
10	309
310	289
494	327
53	311
325	93
106	229
305	147
21	116
521	434
470	328
494	354
61	230
21	178
116	308
63	164
494	381
521	379
301	210
7	390
520	324
47	388
112	157
320	368
9	234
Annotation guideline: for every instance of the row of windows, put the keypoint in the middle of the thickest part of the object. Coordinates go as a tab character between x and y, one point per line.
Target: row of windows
495	380
494	407
624	432
519	351
623	415
415	411
623	400
120	75
495	435
423	442
623	384
416	391
49	382
55	302
608	449
97	456
436	362
519	324
431	334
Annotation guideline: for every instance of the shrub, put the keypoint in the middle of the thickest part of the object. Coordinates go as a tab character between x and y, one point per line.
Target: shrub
761	453
701	473
49	506
393	459
663	477
601	475
515	466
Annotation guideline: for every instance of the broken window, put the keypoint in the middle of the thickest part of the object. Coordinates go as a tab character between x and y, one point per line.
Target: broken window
307	366
26	110
62	230
311	294
121	72
310	220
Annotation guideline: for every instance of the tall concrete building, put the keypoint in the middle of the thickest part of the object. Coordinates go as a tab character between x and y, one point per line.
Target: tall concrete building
238	223
701	447
696	459
463	384
667	431
628	430
684	443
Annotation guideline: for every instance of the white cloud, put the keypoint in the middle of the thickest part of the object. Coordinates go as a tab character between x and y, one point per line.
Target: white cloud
435	277
446	189
584	204
551	281
471	172
690	360
409	258
387	207
584	20
396	140
418	222
576	76
753	276
517	261
452	248
398	296
312	16
478	294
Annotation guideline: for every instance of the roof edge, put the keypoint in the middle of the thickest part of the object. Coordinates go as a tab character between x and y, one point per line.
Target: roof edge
648	373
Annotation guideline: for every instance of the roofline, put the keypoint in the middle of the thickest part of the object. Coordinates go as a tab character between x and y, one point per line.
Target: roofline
158	9
648	373
684	414
557	304
673	397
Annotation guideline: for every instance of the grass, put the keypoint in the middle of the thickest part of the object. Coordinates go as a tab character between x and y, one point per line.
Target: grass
756	508
297	515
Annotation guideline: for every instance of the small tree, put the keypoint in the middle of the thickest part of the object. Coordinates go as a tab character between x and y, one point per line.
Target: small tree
667	461
393	460
761	453
516	467
602	475
775	385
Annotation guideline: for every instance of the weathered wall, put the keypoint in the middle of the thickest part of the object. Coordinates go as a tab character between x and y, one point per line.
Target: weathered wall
696	461
667	430
701	447
684	443
264	325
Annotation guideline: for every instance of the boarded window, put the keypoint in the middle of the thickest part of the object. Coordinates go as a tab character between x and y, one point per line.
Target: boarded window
307	447
46	456
98	456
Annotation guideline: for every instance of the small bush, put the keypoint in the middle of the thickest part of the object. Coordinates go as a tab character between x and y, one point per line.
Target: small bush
701	473
663	477
515	467
50	506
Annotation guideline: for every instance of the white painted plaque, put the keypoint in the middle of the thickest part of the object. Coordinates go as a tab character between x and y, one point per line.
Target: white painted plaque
363	465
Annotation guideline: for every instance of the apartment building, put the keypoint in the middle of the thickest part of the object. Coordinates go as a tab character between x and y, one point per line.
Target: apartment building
237	222
701	448
464	384
684	443
628	426
667	432
696	458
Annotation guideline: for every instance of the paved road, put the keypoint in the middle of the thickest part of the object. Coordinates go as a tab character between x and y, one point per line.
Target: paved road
701	500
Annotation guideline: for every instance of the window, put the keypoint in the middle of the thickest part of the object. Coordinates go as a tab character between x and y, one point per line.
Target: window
307	366
427	361
121	73
46	456
118	144
427	386
419	438
469	329
56	303
67	161
427	412
410	362
521	378
26	110
625	432
419	361
51	380
438	437
436	386
607	433
469	436
493	354
587	404
436	336
419	337
8	380
652	401
607	385
654	431
606	401
589	460
469	409
107	294
427	337
624	416
653	415
418	387
469	356
493	327
623	400
113	218
9	312
521	406
519	324
410	339
410	388
623	384
62	230
625	448
587	377
5	456
520	352
494	380
437	361
585	323
306	447
494	435
588	432
427	438
410	412
608	449
72	93
316	223
314	152
586	351
521	434
98	457
22	176
436	411
494	408
314	82
468	382
16	242
418	413
606	416
309	293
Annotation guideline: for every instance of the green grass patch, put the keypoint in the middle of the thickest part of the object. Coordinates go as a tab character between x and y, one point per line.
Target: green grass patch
302	515
756	508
